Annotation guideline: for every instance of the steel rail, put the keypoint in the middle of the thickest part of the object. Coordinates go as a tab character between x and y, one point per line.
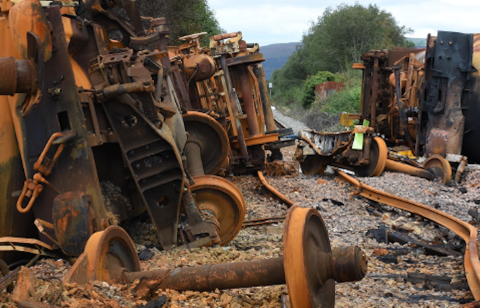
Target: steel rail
263	221
278	194
279	124
466	231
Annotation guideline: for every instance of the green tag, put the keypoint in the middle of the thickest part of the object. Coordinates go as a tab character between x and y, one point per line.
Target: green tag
366	123
358	141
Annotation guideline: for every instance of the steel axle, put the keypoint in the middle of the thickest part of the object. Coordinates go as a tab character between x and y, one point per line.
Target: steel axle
342	265
309	266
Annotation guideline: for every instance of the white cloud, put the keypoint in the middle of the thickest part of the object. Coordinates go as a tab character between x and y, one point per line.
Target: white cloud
269	21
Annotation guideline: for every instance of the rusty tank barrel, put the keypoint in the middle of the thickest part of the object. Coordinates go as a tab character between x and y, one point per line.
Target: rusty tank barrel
266	104
342	264
392	165
200	67
16	76
248	103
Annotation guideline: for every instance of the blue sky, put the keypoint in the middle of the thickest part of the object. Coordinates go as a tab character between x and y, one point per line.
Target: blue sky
281	21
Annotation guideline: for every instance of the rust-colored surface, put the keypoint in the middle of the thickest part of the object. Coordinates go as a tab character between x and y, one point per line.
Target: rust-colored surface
219	197
311	267
279	168
439	167
210	277
466	231
108	253
377	155
349	264
24	286
224	36
392	165
72	222
211	139
259	139
26	16
308	267
199	67
327	88
278	194
110	256
248	104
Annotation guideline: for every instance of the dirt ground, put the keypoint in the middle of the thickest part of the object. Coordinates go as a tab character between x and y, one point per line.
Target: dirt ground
349	220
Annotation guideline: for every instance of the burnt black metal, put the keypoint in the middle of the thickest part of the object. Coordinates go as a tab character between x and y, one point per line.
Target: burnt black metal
447	70
72	221
55	115
152	161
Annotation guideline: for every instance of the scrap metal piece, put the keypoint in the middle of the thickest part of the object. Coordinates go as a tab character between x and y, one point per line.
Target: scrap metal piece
278	194
279	168
466	231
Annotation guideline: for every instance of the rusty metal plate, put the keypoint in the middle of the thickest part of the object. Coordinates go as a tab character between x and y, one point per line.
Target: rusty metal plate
249	59
72	221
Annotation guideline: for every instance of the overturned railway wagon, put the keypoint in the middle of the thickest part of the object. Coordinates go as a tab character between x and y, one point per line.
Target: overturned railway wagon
92	133
424	99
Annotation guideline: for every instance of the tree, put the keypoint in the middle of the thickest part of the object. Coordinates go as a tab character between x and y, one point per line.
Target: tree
340	36
183	17
336	40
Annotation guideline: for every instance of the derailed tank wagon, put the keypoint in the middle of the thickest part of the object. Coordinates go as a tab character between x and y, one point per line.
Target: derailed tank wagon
425	100
93	125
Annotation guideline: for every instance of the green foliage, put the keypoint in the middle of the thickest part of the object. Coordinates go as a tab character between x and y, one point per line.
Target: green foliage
347	100
183	17
309	86
419	42
340	36
336	40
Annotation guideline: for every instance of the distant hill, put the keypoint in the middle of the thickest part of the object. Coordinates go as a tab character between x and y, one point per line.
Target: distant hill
276	56
419	42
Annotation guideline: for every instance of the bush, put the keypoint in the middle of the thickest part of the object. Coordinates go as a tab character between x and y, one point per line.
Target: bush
308	96
347	100
290	97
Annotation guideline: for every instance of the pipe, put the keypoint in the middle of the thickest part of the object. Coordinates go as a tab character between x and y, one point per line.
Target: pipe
248	103
392	165
231	95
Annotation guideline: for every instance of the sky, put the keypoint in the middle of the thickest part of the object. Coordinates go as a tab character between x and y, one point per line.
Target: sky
283	21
